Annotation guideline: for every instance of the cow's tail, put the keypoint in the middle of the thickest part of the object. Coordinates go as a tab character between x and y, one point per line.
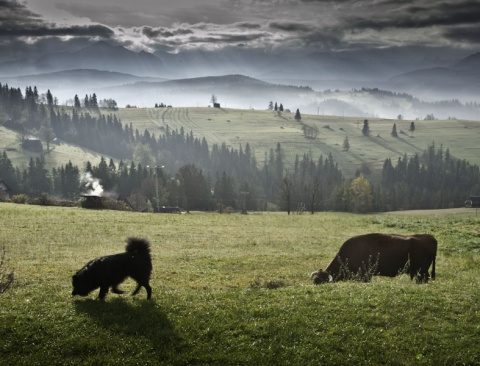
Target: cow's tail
433	268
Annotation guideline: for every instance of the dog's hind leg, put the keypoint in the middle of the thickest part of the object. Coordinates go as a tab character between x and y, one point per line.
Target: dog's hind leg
137	289
147	287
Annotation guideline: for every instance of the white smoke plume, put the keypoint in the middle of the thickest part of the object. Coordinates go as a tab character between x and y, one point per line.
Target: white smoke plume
91	185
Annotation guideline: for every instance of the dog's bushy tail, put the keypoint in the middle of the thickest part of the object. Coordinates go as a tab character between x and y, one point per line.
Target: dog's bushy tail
138	245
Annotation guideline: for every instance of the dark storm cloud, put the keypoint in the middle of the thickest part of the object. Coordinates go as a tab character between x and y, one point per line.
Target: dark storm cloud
309	24
45	31
248	25
17	21
12	13
153	33
226	38
418	16
463	34
291	26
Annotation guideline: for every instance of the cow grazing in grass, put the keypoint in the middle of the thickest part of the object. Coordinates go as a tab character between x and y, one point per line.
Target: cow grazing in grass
368	255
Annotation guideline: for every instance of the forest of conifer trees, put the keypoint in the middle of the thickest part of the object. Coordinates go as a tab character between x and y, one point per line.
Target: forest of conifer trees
203	177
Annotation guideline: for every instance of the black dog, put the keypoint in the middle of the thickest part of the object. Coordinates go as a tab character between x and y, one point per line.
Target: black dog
111	270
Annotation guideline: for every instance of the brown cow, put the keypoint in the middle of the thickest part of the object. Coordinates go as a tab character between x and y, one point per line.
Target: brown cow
362	256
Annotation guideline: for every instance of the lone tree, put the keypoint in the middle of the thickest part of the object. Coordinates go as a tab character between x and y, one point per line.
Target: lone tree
394	130
346	144
366	128
214	99
412	128
298	116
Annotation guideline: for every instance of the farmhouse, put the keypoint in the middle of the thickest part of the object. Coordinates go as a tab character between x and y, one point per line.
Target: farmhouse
164	209
91	201
32	144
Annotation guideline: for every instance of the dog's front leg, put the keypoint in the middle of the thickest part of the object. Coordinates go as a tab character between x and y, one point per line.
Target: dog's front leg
103	292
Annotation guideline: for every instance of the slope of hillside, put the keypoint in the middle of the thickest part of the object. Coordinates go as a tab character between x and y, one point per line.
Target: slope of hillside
57	156
264	129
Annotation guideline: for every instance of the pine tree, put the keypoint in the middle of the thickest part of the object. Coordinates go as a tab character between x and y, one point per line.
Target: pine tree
49	97
298	116
412	127
366	128
76	102
394	130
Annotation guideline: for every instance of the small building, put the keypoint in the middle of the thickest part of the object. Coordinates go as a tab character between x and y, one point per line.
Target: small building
216	105
92	201
164	209
474	202
32	144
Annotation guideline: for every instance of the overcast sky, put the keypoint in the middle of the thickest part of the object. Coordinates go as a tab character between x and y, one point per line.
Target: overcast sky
310	25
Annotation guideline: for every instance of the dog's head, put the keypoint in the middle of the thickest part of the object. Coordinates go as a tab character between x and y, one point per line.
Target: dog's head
81	285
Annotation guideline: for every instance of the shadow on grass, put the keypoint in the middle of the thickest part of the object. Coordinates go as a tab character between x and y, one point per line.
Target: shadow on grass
142	321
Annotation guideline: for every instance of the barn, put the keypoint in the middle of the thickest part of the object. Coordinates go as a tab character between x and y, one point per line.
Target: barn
32	144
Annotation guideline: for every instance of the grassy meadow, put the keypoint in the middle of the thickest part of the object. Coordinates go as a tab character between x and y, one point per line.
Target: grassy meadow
235	290
264	129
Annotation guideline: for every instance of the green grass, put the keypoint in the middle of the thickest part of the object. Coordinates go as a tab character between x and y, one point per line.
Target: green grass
235	289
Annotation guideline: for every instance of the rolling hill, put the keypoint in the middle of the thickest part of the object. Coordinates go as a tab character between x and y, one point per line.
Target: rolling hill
57	156
264	129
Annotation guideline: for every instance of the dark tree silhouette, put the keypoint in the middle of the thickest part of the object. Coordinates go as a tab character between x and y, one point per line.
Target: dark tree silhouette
298	116
366	128
394	130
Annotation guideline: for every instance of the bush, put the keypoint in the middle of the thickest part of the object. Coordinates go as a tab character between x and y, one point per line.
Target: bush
43	200
111	204
20	198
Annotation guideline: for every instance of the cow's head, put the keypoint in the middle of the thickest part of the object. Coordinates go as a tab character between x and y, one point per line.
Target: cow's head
321	276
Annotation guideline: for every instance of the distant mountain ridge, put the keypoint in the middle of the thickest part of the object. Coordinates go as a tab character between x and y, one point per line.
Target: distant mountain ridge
358	65
458	81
